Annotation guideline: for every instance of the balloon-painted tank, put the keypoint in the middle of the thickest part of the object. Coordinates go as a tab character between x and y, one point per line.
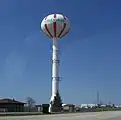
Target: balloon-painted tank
55	26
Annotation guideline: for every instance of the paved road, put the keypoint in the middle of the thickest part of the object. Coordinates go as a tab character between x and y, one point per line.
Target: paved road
76	116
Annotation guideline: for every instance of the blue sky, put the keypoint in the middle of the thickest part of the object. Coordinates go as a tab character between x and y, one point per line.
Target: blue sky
90	54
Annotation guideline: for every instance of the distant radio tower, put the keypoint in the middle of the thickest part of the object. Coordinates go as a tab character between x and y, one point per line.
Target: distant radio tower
98	98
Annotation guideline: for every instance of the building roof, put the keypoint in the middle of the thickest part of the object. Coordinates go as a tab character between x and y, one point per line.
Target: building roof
6	100
38	105
67	105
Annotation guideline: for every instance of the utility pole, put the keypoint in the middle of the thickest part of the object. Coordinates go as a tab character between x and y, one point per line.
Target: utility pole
98	99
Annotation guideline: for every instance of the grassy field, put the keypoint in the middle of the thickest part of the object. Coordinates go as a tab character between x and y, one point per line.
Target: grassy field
19	113
40	113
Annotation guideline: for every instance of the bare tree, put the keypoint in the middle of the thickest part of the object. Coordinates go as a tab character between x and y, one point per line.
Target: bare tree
30	103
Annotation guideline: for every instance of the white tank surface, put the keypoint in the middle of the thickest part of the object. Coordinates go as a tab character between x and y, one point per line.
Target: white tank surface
55	25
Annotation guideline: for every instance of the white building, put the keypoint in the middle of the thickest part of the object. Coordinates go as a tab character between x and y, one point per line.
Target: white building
88	105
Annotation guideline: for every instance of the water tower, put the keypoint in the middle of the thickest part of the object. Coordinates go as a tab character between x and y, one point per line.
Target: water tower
55	26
